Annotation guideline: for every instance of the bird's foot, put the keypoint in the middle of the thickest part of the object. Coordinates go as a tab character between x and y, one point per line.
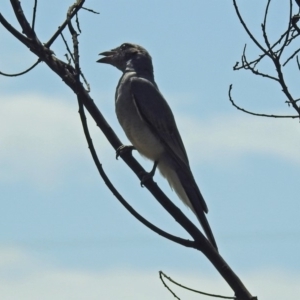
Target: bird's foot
146	176
123	149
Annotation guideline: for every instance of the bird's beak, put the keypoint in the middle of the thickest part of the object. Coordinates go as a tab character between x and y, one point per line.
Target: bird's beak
108	57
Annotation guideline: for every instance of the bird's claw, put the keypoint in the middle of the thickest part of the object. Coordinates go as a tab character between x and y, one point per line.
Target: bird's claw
122	149
146	176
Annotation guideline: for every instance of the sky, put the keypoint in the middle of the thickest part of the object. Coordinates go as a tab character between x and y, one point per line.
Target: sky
62	233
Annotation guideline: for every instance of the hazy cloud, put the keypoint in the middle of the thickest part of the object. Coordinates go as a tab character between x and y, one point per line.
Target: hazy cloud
40	135
35	280
226	138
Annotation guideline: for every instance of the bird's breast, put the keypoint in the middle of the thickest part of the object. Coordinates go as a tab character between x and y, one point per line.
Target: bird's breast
135	127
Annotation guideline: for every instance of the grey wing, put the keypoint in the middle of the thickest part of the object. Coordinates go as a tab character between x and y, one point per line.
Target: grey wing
154	109
157	113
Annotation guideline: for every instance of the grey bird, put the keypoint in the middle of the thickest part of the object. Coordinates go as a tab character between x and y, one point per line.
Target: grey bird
149	124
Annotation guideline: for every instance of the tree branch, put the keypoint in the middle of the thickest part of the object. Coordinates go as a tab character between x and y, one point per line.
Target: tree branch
256	114
162	274
23	72
71	76
248	31
274	53
106	180
34	14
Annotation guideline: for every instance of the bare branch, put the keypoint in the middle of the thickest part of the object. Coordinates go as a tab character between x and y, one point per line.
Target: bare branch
71	76
27	29
270	51
288	36
248	31
77	23
266	14
298	63
162	274
75	45
108	183
236	67
65	23
284	86
14	32
247	66
295	20
91	10
273	54
68	48
34	14
261	56
114	191
288	31
22	73
256	114
291	57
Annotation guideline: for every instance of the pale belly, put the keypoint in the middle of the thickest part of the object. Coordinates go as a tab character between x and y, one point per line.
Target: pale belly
140	135
135	128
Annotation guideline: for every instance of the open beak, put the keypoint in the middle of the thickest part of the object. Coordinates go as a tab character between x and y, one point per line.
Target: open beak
108	57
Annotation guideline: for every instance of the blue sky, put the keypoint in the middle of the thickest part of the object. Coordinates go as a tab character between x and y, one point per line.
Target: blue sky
64	236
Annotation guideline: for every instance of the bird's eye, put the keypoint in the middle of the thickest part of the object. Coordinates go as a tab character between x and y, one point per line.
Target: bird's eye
124	46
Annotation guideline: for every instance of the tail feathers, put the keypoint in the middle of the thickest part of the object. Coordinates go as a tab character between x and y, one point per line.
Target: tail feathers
205	225
196	200
182	181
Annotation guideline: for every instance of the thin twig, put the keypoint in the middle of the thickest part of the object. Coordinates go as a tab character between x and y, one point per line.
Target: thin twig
285	35
166	286
273	54
288	31
77	23
67	46
26	27
295	19
178	240
75	46
21	73
69	75
256	114
291	57
247	66
108	183
162	274
264	30
298	63
248	31
34	14
65	23
91	10
261	56
23	39
285	89
264	25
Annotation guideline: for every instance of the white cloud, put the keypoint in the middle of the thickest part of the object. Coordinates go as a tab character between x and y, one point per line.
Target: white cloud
42	281
39	137
226	138
10	256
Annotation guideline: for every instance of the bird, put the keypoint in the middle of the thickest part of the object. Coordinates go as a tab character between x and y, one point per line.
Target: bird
150	126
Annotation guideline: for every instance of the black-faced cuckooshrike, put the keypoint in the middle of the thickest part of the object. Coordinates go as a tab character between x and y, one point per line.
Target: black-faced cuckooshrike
149	124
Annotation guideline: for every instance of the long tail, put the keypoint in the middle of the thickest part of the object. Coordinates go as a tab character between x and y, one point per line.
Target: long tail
182	181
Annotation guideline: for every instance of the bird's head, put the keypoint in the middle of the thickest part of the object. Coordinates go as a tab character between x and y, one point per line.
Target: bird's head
128	57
